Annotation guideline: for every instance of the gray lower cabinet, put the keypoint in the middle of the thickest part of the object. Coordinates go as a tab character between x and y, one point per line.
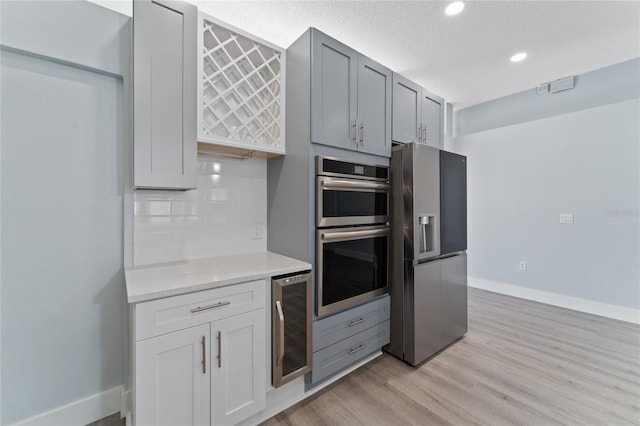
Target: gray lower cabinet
164	94
350	98
418	115
343	339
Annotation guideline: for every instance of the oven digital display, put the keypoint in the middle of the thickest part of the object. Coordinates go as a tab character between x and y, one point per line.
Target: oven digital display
358	170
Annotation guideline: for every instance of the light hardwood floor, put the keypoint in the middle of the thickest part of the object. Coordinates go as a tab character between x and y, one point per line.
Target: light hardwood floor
520	363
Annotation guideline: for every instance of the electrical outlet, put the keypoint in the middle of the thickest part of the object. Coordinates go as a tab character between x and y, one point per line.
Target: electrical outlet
522	265
566	218
257	231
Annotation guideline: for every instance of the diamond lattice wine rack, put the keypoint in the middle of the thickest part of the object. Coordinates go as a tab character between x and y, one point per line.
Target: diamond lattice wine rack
241	94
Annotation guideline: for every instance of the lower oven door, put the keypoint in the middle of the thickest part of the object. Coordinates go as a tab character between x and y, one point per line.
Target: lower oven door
352	266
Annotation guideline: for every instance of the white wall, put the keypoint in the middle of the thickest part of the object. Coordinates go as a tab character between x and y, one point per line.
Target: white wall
63	150
522	176
616	83
124	7
220	217
62	278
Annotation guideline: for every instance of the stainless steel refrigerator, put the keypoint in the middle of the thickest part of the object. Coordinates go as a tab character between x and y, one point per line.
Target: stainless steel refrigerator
428	251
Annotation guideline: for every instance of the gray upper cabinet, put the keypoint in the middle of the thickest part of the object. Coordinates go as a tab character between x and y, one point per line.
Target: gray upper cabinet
164	94
407	118
418	115
432	119
374	107
350	98
333	92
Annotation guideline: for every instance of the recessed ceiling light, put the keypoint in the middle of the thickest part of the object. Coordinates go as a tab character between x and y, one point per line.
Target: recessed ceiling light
519	57
454	8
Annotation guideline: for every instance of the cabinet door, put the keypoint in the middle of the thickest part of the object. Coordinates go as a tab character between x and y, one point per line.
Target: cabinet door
406	110
172	379
374	107
454	298
164	91
432	119
333	92
238	376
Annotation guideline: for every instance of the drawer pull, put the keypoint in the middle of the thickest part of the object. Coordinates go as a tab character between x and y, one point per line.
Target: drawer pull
219	349
205	308
359	348
356	322
204	356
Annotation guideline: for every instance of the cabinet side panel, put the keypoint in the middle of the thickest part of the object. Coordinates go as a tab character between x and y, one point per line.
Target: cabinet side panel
289	200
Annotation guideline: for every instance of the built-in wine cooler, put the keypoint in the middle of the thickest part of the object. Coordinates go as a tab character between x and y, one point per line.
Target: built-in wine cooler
291	327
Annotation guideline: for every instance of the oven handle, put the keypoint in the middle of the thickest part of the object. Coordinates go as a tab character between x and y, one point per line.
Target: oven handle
329	183
350	235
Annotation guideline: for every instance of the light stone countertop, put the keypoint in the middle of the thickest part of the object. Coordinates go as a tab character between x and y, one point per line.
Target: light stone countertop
156	281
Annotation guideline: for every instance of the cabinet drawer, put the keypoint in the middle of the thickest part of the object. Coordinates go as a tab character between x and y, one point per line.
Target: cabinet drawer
338	327
336	357
176	313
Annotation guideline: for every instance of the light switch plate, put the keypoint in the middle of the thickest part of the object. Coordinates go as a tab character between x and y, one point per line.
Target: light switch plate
566	218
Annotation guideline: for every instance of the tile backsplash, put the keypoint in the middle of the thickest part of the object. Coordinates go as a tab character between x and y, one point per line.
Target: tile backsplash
226	214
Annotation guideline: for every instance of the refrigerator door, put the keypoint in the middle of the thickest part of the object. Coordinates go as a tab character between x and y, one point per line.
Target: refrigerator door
454	298
453	202
421	199
424	316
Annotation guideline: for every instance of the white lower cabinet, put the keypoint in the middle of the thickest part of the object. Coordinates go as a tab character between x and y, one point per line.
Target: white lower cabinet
238	373
172	383
213	373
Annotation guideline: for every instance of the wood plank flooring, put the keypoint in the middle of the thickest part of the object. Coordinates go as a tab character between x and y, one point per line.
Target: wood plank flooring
521	362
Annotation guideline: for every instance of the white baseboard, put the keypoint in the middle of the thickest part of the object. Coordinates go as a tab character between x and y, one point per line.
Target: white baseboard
575	303
80	412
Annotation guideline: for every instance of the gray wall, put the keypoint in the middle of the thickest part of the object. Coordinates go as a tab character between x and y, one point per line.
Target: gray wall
522	176
62	165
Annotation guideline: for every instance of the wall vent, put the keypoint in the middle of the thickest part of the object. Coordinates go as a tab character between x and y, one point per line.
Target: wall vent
562	84
542	89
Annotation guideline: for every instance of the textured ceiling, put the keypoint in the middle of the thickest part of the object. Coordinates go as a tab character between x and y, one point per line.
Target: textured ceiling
463	58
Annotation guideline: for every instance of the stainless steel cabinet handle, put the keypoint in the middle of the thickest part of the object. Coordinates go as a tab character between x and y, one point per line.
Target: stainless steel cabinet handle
359	348
204	356
280	334
219	349
362	133
420	133
205	308
354	125
356	322
424	132
348	235
332	183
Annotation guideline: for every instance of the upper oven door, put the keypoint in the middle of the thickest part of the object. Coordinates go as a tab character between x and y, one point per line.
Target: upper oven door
343	201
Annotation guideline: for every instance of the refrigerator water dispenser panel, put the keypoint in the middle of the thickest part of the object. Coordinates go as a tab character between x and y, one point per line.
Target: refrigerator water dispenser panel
426	224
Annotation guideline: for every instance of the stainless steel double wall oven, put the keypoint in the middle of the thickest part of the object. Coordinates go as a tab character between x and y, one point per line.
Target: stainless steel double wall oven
352	233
